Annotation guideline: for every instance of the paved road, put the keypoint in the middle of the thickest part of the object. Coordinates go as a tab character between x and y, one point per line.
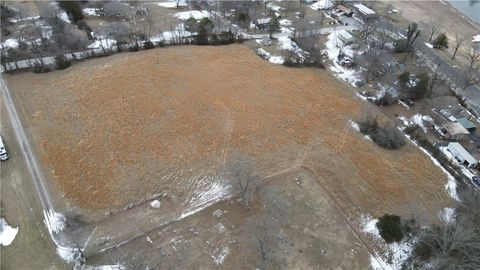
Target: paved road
472	93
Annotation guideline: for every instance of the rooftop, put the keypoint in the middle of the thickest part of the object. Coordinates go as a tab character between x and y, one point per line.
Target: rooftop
466	123
459	149
363	9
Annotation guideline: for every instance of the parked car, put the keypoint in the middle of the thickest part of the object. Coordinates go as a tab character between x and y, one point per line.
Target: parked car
3	150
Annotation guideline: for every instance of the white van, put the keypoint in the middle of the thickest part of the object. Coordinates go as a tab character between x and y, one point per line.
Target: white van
3	151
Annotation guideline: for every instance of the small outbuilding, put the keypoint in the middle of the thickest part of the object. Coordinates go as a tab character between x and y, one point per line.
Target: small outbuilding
364	13
454	131
345	10
461	154
467	124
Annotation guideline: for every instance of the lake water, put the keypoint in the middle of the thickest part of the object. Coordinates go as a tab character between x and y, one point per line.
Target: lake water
469	8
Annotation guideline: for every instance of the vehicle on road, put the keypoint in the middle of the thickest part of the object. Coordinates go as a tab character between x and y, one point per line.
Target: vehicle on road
3	150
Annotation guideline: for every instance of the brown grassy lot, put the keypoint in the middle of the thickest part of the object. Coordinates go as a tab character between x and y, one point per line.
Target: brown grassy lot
116	130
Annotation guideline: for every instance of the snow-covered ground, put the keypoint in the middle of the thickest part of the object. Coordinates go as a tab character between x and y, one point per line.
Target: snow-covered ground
196	14
7	233
271	58
322	4
10	43
429	45
334	45
106	43
395	253
90	12
173	4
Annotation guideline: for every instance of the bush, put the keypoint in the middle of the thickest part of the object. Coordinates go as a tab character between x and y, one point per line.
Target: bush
390	227
422	251
387	136
133	49
148	45
37	68
440	42
61	62
386	99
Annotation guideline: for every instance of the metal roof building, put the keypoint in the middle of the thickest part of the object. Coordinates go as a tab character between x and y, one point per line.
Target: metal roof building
461	154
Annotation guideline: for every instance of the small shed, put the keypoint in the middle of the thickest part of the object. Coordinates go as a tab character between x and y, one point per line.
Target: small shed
467	124
454	130
345	37
365	13
345	10
461	154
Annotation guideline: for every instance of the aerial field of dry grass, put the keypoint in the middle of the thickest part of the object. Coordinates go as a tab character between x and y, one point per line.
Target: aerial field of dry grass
117	130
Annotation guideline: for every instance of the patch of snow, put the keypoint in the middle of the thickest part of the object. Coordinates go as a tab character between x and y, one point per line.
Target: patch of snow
10	43
222	254
19	19
420	119
429	45
285	22
274	7
106	43
447	214
196	14
64	17
354	125
173	4
368	138
106	267
155	204
404	104
66	253
370	227
220	228
286	30
90	12
272	59
217	213
476	38
322	4
54	221
334	45
7	233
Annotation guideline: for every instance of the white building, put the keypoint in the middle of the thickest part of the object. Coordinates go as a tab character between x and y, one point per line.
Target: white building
461	154
365	13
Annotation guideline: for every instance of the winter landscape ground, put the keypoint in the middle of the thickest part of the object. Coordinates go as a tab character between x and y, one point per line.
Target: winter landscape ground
239	135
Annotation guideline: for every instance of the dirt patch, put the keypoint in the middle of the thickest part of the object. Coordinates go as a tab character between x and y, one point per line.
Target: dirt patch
306	231
117	130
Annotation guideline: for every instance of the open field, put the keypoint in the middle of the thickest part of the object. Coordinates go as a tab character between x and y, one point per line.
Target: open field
118	130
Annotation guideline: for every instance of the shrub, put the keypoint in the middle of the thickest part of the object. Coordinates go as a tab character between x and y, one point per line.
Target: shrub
390	228
37	68
440	42
402	45
403	79
161	44
420	89
61	62
134	48
386	99
385	136
422	251
148	45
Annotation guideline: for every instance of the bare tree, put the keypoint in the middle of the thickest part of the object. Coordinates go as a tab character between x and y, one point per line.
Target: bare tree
432	27
471	74
239	169
458	41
